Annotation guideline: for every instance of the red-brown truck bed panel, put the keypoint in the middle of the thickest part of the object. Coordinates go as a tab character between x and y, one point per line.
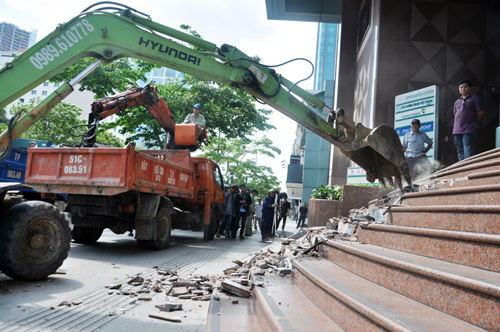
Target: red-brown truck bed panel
109	171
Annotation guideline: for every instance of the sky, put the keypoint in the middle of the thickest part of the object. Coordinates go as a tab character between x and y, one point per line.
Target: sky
241	23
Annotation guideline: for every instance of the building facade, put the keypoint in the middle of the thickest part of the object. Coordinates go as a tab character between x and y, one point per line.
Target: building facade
315	151
391	47
13	38
326	54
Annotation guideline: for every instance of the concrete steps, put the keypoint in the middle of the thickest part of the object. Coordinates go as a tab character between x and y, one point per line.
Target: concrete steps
464	218
278	306
472	249
224	315
466	195
357	304
485	162
447	287
281	306
433	266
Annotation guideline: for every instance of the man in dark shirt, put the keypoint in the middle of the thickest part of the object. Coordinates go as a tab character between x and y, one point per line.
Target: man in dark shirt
303	214
243	201
267	215
285	211
468	111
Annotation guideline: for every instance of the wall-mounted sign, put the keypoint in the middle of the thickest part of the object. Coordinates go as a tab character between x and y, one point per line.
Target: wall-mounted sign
419	104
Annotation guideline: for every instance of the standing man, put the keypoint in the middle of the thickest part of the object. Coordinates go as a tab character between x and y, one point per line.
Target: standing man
468	111
243	201
267	215
228	213
303	214
415	150
197	118
251	213
285	211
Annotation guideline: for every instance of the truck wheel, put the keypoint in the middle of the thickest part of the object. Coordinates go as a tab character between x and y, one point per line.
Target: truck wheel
34	240
86	235
163	223
209	231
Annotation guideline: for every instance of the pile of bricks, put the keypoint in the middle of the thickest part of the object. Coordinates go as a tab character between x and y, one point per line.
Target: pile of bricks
239	280
196	288
175	288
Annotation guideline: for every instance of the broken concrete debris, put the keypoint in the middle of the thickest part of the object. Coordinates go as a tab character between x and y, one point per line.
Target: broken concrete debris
234	288
170	306
239	279
166	317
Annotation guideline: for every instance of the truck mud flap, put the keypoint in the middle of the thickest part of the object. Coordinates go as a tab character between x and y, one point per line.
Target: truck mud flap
144	218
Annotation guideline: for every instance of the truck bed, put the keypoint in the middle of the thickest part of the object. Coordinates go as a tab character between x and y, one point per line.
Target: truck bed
110	171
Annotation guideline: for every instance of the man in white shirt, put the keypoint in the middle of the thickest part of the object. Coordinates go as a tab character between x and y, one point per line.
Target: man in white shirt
415	150
197	118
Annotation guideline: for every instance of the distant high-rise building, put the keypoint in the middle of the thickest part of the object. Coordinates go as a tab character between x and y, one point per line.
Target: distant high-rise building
326	51
315	151
13	38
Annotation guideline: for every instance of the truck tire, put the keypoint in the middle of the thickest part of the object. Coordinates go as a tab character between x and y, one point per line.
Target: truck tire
86	235
209	231
34	240
163	223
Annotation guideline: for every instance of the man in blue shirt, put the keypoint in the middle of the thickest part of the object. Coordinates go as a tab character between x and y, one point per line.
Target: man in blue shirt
415	150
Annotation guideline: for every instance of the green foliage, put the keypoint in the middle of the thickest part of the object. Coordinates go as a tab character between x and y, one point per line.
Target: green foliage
3	117
55	125
109	78
235	158
106	137
335	192
231	115
327	192
229	112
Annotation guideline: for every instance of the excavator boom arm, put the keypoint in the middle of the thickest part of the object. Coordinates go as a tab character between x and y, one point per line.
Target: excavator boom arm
146	96
111	35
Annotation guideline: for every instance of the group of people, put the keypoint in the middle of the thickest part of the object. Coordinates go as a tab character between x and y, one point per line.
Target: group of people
238	212
468	110
247	212
277	207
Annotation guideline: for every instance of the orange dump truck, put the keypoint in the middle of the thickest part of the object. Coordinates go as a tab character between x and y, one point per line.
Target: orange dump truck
149	191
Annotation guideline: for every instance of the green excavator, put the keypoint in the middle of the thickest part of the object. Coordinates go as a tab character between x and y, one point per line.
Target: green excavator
108	34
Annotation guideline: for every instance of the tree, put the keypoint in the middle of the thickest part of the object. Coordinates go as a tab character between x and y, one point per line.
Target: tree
109	78
234	158
229	112
55	126
4	121
3	117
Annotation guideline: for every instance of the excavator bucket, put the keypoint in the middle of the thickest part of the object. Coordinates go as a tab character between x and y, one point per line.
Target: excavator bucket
378	151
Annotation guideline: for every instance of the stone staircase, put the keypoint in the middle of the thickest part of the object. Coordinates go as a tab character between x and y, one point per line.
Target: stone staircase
433	266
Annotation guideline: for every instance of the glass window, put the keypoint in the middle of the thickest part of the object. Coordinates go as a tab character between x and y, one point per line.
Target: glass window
44	93
45	83
364	20
56	85
33	92
218	176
